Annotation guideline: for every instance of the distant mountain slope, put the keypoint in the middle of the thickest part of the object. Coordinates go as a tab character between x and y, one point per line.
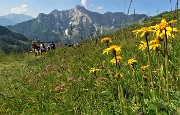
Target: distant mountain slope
77	23
13	19
5	22
12	42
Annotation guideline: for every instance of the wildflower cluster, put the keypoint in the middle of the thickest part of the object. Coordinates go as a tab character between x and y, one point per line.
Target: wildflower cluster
115	50
160	32
164	29
153	45
117	59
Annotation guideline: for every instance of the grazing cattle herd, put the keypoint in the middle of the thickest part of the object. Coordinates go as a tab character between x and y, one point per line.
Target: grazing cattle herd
39	47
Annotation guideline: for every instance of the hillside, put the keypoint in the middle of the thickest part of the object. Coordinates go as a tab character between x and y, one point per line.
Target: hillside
74	24
12	19
11	42
84	80
5	22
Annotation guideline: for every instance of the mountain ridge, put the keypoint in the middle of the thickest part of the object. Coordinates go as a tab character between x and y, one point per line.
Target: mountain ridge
74	24
12	19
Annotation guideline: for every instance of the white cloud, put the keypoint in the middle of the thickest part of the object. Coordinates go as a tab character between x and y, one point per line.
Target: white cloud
99	8
19	10
84	3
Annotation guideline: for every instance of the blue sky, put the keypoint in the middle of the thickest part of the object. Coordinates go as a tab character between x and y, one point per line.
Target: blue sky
34	7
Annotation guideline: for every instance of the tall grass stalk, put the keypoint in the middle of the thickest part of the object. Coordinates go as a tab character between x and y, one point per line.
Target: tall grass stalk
121	97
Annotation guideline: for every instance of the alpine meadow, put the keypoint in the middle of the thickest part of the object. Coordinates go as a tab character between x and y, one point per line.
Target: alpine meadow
134	70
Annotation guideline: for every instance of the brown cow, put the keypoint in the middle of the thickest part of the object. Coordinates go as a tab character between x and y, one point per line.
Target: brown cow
35	47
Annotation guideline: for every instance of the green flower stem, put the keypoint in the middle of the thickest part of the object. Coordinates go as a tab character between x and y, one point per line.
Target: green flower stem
149	62
173	56
163	79
107	43
166	65
117	65
115	58
159	74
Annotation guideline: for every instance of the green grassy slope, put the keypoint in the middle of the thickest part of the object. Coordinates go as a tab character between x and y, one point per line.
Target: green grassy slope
59	82
12	42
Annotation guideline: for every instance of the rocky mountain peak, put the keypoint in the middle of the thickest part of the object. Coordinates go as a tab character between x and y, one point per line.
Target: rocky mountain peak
40	17
75	23
80	8
55	11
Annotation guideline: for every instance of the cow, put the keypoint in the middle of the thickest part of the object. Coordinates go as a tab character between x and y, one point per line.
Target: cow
42	48
35	48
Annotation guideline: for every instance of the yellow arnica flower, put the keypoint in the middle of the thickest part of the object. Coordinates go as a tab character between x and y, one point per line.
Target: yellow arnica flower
117	75
113	49
143	68
142	46
162	25
118	58
143	31
173	21
106	39
131	62
170	31
154	44
94	70
163	29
